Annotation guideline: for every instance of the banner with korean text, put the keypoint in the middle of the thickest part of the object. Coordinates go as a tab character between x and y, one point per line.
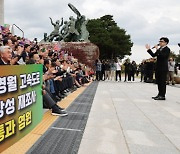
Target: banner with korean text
21	107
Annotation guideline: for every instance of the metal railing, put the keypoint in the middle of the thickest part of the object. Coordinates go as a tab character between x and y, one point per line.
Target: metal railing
19	29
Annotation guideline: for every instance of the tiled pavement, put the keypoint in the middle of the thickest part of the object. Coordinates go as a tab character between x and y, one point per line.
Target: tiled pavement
125	120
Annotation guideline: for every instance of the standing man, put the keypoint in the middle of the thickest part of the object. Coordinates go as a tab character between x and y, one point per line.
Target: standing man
126	69
98	65
118	70
162	55
171	66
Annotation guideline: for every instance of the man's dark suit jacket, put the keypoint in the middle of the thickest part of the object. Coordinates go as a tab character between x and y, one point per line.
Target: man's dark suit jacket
1	62
162	58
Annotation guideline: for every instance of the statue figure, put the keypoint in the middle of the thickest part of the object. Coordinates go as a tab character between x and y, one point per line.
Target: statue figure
55	32
80	25
72	24
64	30
84	31
72	30
45	37
68	31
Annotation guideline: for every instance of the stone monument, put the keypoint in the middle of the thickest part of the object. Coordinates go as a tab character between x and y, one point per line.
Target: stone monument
85	52
73	30
73	37
1	12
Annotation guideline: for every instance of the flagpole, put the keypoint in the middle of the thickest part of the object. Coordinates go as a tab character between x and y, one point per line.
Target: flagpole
12	30
2	12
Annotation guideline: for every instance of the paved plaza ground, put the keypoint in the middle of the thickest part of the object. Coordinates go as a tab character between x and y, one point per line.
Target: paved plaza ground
110	118
125	120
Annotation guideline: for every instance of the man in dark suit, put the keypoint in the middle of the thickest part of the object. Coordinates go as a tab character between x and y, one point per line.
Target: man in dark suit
162	55
126	69
5	55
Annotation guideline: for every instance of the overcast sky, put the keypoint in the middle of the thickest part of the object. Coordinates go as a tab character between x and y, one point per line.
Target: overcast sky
145	20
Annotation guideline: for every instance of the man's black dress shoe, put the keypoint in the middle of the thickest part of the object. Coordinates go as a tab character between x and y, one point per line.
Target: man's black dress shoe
160	98
155	97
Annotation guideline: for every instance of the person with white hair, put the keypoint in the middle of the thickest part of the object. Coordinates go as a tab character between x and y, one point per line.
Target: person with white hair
5	55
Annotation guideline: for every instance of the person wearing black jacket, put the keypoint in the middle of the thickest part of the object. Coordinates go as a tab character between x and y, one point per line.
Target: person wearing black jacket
126	70
162	55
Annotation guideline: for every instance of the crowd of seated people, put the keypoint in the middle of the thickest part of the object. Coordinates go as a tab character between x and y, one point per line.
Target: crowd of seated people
62	73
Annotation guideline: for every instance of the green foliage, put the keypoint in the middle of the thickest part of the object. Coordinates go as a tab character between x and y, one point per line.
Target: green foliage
177	59
111	39
174	56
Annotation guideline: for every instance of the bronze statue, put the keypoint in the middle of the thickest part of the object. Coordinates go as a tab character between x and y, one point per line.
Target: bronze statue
84	31
55	33
80	25
70	31
73	30
64	29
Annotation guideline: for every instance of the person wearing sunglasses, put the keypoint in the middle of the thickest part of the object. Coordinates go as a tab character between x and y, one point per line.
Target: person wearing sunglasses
162	53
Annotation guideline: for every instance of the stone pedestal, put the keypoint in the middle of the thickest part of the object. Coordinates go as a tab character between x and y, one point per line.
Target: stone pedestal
85	52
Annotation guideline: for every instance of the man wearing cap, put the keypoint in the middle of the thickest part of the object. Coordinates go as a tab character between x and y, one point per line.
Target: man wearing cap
162	55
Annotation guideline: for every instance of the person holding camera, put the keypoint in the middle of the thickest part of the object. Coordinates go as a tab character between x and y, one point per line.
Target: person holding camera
162	55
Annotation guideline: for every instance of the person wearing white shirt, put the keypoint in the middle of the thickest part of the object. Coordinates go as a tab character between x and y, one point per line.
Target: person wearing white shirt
170	75
118	70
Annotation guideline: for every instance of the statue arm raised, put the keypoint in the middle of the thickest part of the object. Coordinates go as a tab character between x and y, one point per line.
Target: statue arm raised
61	21
51	21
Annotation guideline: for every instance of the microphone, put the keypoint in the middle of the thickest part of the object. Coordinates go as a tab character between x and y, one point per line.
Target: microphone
154	46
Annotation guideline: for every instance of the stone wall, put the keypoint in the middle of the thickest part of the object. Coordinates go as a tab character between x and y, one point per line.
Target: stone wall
85	52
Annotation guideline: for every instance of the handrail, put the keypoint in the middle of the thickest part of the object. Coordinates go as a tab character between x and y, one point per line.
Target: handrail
19	29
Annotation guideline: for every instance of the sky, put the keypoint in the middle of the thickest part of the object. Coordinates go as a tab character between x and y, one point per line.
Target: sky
144	20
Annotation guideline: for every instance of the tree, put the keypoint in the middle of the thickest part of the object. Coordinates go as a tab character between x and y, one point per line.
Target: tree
175	57
111	39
